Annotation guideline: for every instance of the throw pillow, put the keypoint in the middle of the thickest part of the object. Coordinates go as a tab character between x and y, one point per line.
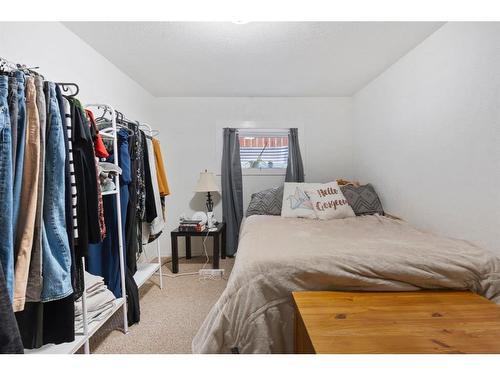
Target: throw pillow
329	203
296	203
363	199
266	202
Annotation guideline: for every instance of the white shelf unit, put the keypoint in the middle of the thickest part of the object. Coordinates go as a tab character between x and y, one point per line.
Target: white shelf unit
80	337
144	272
89	329
109	192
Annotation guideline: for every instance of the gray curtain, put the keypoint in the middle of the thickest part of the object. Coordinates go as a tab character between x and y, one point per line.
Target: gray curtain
232	189
295	168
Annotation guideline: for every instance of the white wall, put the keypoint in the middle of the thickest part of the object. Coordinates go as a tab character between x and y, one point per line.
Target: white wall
426	134
64	57
189	125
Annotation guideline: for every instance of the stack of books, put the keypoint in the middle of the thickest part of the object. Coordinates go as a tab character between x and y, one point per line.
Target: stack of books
191	226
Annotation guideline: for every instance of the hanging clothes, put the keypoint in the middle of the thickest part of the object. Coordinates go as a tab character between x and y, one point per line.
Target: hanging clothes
28	199
99	147
133	307
14	113
77	274
100	151
86	181
6	188
154	224
30	320
103	258
50	198
10	339
149	199
141	183
56	251
34	288
160	169
53	320
20	145
133	193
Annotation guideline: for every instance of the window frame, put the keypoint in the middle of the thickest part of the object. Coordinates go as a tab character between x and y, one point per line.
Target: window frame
255	124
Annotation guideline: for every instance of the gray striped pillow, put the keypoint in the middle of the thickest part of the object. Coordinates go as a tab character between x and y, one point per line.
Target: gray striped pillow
266	202
363	199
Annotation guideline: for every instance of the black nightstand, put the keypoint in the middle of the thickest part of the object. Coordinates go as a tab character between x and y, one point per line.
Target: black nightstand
219	235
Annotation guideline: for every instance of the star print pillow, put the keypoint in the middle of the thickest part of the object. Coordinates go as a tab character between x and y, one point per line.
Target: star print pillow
328	202
296	203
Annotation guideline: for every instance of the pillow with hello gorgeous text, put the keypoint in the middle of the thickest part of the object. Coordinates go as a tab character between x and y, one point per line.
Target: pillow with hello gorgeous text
328	202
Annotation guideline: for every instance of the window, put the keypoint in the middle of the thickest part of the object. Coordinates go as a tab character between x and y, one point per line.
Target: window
263	148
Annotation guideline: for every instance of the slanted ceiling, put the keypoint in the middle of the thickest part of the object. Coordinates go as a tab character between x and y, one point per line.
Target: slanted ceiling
254	59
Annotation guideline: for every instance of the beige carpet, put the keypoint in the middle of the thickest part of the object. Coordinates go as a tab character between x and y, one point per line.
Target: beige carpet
169	318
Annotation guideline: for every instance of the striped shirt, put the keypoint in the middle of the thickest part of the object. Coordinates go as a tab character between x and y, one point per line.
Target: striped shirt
74	198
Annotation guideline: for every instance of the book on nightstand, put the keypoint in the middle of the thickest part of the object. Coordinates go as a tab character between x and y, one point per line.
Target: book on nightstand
191	226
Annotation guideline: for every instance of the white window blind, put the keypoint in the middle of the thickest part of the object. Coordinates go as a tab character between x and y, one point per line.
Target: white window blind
263	148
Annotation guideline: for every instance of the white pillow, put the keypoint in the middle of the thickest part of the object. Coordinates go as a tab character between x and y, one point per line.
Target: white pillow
296	203
328	202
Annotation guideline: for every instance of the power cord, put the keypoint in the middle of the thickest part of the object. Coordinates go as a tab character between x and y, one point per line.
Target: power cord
202	278
198	272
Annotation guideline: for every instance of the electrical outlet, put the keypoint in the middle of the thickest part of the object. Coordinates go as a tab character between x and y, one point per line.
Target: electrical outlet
212	273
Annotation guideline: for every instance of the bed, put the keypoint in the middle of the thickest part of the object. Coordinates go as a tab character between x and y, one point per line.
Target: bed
371	253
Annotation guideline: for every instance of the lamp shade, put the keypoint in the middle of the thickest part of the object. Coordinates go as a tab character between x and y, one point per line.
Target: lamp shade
206	183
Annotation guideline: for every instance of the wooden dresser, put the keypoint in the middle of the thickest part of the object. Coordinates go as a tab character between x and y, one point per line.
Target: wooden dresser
423	322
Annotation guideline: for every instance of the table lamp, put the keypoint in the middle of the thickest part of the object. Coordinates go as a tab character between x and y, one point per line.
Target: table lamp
206	184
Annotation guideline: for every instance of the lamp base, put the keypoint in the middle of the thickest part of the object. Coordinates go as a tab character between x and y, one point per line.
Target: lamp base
210	203
210	220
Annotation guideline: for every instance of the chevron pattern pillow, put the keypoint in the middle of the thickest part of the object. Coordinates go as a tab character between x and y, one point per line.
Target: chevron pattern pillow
363	199
266	202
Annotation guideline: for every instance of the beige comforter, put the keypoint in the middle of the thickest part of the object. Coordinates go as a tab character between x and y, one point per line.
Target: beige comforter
277	255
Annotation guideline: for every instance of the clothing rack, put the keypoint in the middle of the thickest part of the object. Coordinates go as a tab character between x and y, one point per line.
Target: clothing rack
144	271
90	329
147	269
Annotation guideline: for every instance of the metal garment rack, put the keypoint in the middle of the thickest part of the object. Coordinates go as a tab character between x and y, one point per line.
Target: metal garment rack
116	192
89	329
146	270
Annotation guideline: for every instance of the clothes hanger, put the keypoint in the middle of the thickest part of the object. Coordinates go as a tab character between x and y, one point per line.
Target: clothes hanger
29	71
106	125
7	67
105	111
152	132
68	87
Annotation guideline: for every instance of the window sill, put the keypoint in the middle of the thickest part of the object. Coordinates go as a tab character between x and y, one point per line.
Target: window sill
263	172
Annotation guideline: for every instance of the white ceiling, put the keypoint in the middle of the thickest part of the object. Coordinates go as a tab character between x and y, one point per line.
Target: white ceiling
253	59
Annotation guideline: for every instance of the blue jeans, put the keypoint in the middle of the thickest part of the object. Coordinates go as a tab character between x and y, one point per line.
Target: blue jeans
13	112
21	143
6	183
56	264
